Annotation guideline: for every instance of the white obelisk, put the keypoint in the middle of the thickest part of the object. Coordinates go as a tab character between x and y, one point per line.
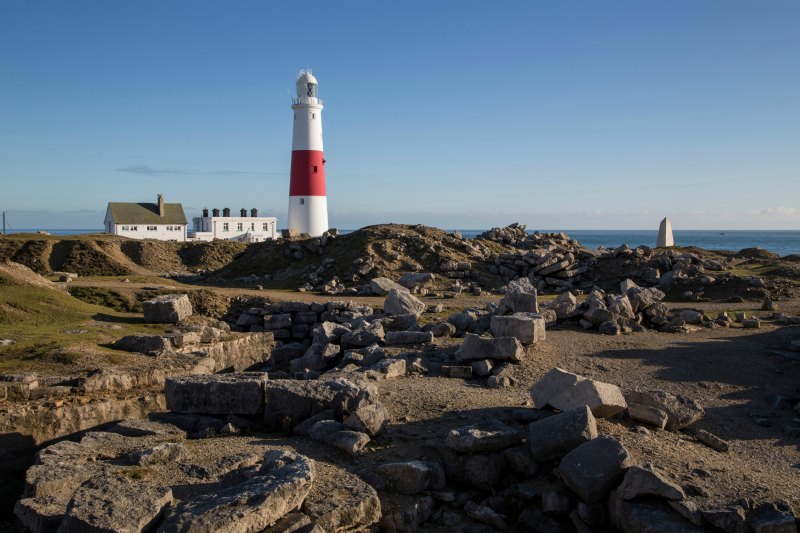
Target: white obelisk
665	239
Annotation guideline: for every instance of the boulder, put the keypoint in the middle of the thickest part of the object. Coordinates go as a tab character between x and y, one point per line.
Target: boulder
557	435
369	333
647	482
527	328
595	467
369	418
408	337
382	286
415	280
520	296
681	410
711	440
163	453
491	435
149	344
564	390
355	507
167	309
115	502
475	347
440	329
339	436
281	485
216	394
401	302
646	516
772	517
413	477
648	415
609	327
287	402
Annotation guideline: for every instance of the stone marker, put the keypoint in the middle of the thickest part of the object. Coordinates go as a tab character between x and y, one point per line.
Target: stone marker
167	309
665	238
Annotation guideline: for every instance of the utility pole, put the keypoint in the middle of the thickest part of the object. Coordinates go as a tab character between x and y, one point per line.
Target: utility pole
4	222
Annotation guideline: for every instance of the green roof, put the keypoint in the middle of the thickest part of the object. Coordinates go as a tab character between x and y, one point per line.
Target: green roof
130	213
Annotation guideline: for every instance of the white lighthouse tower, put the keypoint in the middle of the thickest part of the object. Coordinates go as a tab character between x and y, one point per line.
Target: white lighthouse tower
308	203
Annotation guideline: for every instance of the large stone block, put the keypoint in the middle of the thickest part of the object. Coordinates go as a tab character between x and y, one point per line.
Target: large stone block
595	467
382	286
168	309
527	328
564	390
520	296
681	410
401	302
557	435
475	347
217	394
281	485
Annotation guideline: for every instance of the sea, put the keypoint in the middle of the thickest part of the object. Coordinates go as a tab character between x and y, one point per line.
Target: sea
781	242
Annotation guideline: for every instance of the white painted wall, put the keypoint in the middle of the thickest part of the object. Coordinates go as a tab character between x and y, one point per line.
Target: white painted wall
161	232
309	214
246	229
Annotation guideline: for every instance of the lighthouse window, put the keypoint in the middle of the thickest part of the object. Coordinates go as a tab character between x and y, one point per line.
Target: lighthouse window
315	168
313	115
302	201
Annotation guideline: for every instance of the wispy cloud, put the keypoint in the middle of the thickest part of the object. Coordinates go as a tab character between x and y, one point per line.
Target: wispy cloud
151	171
779	211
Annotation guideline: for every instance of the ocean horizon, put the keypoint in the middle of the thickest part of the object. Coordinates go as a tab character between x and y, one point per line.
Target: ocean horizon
781	242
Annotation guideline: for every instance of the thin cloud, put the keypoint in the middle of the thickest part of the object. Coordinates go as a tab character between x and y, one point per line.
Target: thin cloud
779	211
151	171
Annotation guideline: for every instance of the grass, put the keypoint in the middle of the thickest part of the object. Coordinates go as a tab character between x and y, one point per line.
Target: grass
39	321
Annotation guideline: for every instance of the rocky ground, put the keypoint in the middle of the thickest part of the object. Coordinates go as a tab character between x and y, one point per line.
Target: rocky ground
447	414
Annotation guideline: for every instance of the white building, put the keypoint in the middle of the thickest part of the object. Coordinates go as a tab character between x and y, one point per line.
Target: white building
243	228
162	221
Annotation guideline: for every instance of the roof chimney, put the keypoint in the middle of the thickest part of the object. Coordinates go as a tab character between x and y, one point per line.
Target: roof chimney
161	211
205	212
254	212
243	212
226	211
215	212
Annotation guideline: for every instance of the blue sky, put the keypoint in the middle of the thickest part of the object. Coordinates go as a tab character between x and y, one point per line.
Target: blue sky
463	114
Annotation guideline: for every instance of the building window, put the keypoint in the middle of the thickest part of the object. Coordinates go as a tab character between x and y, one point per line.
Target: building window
124	228
224	226
253	226
134	228
151	228
264	226
239	226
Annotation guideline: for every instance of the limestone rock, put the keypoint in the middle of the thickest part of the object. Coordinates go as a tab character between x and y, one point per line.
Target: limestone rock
415	280
163	453
235	393
647	482
557	435
647	414
167	309
355	507
401	302
280	486
564	390
711	440
681	410
491	435
339	436
527	328
115	503
413	477
149	344
408	337
475	347
382	286
520	296
370	333
369	418
646	516
592	469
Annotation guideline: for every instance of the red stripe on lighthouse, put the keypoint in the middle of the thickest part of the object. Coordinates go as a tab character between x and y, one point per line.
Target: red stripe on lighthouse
308	173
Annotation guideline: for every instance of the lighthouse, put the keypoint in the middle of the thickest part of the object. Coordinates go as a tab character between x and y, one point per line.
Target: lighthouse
308	203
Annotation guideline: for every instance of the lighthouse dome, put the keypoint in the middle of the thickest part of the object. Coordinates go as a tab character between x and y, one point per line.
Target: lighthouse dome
306	84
